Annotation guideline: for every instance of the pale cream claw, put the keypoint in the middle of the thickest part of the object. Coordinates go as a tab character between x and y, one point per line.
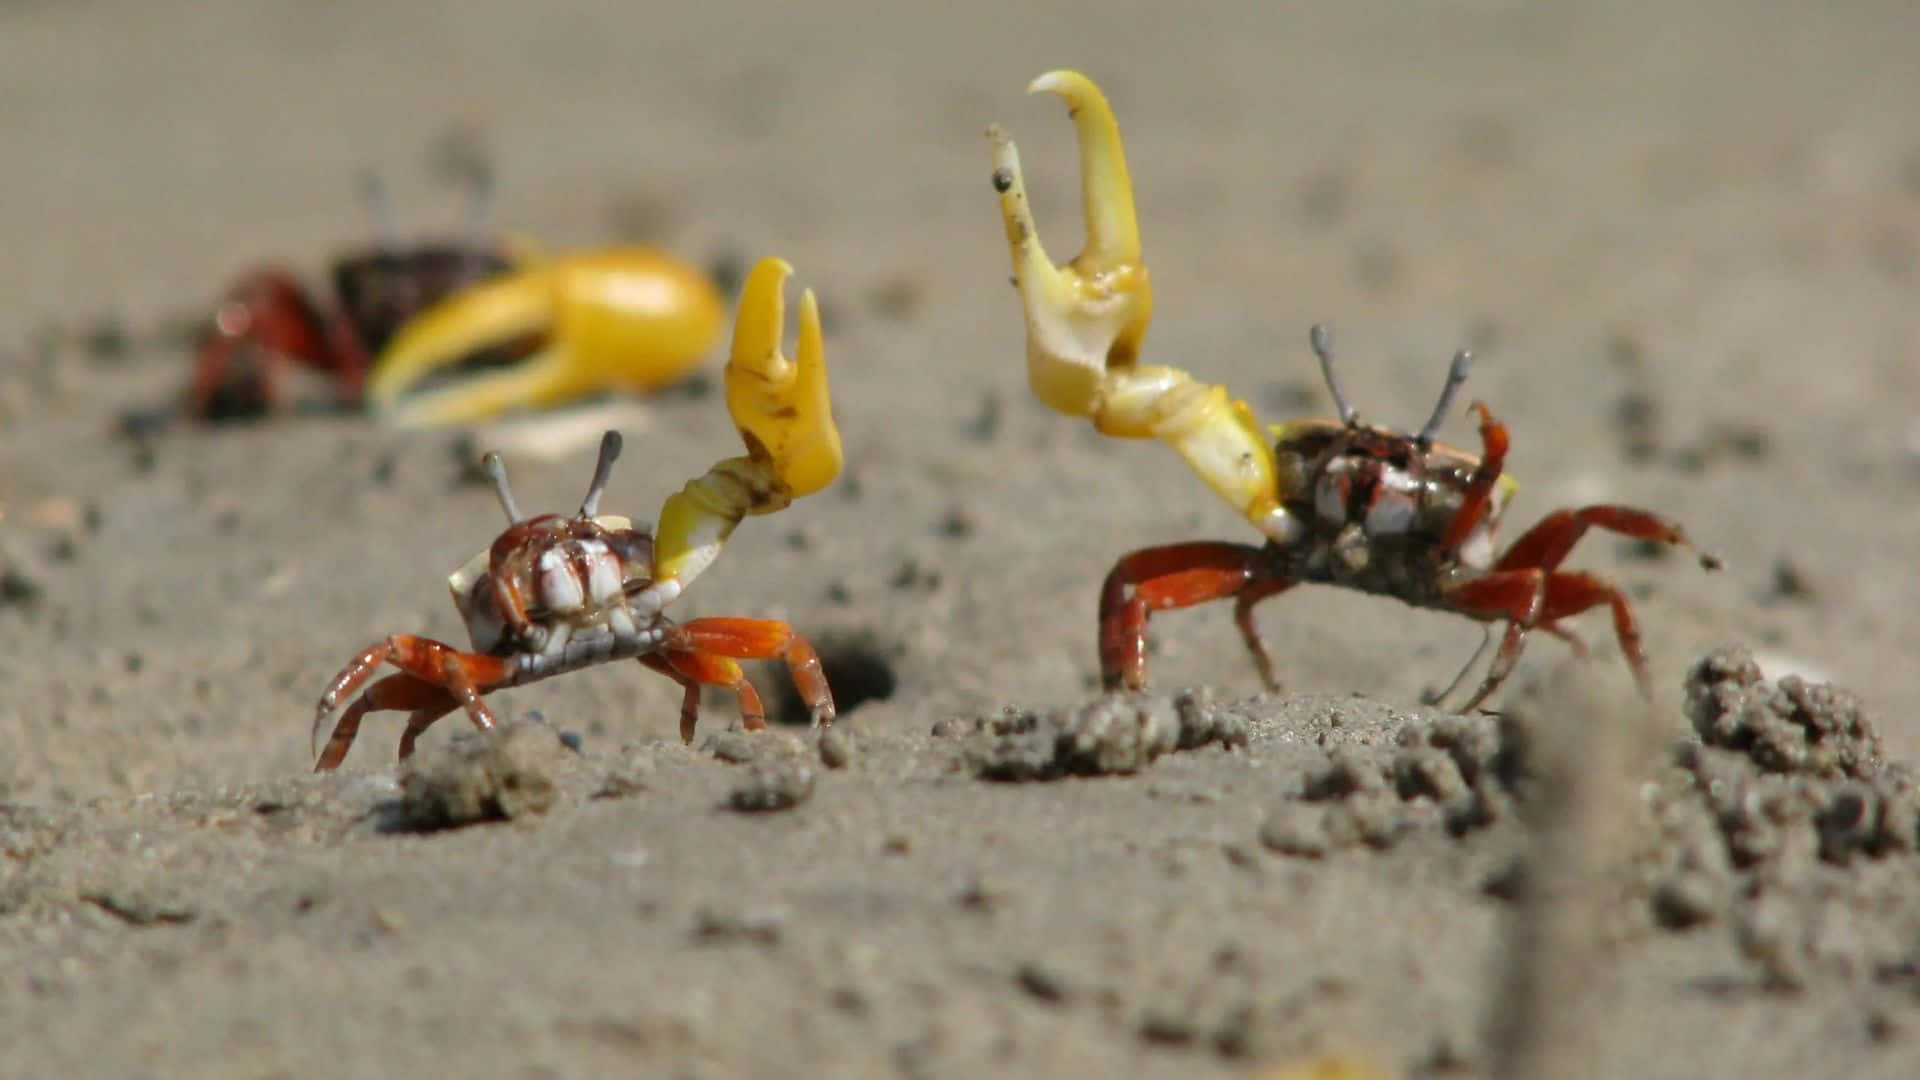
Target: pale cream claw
1086	321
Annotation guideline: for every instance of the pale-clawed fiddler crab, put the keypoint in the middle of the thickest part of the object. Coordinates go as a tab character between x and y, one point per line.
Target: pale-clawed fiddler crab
1339	501
555	594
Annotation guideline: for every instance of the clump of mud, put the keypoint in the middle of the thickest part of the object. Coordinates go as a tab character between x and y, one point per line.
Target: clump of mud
1792	767
1115	734
1786	820
1793	727
1455	772
512	772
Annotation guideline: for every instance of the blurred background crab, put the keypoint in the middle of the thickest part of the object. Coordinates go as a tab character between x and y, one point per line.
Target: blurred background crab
456	330
557	593
1340	502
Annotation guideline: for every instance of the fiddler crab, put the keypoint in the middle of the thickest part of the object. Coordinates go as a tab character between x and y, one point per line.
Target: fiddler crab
1340	502
558	593
538	330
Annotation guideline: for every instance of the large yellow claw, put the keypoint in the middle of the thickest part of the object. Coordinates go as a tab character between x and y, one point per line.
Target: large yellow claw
1086	321
782	407
625	318
785	417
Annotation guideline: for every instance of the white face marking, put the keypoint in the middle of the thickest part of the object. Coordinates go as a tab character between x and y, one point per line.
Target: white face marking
603	573
1330	494
1391	513
560	589
1394	503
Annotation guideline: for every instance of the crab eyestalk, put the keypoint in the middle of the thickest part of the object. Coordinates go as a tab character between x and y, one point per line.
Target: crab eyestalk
602	472
1320	340
1086	321
785	416
496	470
1456	377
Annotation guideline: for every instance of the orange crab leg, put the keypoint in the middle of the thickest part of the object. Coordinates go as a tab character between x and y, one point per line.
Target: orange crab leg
696	669
401	691
460	677
690	692
768	639
1163	578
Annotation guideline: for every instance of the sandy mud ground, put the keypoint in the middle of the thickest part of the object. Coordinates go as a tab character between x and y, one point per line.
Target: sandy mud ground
1684	241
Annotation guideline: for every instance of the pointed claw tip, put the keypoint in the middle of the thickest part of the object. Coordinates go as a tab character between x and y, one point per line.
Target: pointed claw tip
1065	82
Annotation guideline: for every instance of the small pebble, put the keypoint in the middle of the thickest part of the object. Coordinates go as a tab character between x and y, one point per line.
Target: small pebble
836	749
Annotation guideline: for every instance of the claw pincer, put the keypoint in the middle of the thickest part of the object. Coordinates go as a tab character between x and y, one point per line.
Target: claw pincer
1086	321
623	318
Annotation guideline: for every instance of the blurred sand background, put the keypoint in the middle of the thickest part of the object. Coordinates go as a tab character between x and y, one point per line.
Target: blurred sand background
1683	239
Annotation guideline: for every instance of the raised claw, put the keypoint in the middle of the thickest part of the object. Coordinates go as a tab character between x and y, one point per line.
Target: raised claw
782	407
785	416
1086	321
626	317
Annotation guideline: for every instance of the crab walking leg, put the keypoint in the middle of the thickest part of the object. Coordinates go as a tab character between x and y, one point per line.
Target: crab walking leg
462	676
785	418
1161	578
400	691
689	695
1517	596
1086	321
768	639
1553	537
708	669
1256	590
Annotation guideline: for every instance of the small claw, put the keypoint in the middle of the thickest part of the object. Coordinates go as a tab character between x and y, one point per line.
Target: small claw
1086	321
782	407
628	318
785	417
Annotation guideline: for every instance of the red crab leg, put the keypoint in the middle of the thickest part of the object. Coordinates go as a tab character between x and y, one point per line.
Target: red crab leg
460	676
1531	598
1161	578
1478	498
1519	597
1250	594
1549	541
1569	593
705	650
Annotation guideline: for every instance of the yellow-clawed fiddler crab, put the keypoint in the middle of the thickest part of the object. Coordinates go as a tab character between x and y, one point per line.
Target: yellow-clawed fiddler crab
1340	502
558	593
